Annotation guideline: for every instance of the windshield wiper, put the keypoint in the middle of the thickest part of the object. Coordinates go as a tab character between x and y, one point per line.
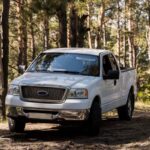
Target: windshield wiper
38	70
66	71
58	71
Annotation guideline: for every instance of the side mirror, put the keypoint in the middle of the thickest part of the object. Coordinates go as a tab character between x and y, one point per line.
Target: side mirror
112	74
22	69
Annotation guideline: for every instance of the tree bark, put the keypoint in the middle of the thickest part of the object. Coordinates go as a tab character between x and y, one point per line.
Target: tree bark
88	26
24	31
73	27
104	36
1	66
46	32
68	23
124	35
33	48
100	24
20	42
22	34
125	50
118	29
62	17
148	39
5	60
78	28
82	30
130	34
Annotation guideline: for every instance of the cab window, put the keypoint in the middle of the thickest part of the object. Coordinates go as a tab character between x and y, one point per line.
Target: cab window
109	63
113	62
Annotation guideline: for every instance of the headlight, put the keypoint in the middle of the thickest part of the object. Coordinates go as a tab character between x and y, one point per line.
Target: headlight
13	90
78	93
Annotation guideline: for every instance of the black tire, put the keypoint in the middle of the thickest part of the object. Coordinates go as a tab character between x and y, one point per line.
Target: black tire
125	112
16	125
94	120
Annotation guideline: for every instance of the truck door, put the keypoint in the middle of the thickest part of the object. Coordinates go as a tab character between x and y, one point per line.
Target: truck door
110	87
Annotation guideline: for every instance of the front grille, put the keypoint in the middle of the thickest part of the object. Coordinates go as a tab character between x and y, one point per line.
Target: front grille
43	94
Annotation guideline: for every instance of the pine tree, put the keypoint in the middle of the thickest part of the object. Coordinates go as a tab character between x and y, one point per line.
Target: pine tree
5	50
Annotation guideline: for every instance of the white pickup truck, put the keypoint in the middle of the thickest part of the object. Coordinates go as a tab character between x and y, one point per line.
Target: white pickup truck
71	84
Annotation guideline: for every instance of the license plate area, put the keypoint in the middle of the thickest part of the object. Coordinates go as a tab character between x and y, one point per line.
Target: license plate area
40	116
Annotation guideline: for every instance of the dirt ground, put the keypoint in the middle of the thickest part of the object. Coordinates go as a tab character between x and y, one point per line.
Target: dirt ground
114	134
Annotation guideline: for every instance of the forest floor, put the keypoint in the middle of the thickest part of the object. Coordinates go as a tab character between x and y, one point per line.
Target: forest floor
114	134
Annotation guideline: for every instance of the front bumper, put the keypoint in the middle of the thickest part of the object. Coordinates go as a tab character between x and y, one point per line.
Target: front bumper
30	114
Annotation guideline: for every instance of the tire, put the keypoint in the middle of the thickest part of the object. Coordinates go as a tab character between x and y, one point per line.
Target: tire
125	112
94	120
16	125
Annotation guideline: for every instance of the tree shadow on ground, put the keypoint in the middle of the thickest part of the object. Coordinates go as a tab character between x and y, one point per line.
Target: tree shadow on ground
113	132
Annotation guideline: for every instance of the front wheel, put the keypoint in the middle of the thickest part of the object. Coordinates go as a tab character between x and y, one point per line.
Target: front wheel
125	112
94	119
16	125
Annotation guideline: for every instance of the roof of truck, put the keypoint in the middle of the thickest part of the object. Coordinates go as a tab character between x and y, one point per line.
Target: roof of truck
77	50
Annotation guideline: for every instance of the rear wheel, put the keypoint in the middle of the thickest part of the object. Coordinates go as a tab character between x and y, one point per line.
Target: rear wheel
125	112
94	119
16	125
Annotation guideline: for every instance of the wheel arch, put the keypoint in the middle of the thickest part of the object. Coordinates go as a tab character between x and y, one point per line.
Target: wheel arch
97	99
132	92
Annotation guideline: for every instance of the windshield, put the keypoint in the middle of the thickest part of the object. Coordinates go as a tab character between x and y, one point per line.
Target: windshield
70	63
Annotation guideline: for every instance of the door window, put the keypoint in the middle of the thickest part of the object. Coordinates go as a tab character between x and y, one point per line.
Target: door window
113	62
109	63
106	65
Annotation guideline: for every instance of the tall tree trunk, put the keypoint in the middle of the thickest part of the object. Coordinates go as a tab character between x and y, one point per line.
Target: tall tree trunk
33	48
118	29
104	35
95	41
82	30
88	26
134	52
124	35
73	27
101	16
46	32
5	60
68	23
20	42
78	28
24	31
22	34
131	30
125	49
62	17
130	34
1	66
148	39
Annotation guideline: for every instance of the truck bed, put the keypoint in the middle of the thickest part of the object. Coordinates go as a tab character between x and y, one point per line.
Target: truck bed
123	69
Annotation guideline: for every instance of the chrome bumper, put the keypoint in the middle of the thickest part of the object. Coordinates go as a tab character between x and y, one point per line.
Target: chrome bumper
51	115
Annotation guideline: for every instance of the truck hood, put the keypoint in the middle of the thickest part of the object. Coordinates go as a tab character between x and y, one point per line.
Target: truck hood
53	79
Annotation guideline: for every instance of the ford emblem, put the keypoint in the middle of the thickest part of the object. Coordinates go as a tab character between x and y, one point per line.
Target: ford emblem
42	93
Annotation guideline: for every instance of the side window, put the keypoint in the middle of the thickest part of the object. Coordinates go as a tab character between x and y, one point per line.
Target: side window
113	63
106	64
